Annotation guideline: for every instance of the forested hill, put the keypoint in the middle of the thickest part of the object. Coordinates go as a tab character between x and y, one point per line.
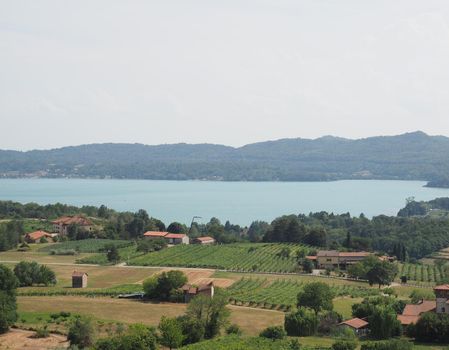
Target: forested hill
408	156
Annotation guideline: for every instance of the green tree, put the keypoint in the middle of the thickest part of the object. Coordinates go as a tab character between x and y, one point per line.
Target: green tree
81	332
273	332
211	311
307	265
302	322
344	345
317	296
137	337
164	285
113	254
382	273
170	333
176	227
383	323
8	305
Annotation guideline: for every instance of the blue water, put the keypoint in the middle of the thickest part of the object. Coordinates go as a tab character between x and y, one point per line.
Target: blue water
239	202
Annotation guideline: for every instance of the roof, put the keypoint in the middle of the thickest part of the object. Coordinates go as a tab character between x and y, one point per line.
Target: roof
175	235
355	323
406	320
38	235
69	220
353	254
191	289
418	309
155	234
79	274
333	253
311	257
442	287
205	239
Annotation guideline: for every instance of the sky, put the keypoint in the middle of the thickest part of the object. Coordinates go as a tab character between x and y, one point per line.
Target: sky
229	72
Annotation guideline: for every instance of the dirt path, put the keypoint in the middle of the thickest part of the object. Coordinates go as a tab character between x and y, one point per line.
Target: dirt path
18	339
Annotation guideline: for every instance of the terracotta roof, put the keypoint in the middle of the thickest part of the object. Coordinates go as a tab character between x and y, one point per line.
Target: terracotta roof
205	239
311	257
37	235
333	253
406	320
155	234
354	254
175	235
191	289
355	323
418	309
68	220
79	274
442	287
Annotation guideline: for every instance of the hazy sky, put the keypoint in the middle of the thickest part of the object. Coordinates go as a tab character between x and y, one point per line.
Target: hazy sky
230	72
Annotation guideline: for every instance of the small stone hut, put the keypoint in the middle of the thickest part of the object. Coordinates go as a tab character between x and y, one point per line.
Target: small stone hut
79	279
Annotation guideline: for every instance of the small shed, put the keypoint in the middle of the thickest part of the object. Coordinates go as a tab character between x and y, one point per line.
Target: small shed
204	240
358	325
191	291
79	279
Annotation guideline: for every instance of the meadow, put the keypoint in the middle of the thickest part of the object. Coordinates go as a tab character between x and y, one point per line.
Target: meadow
234	257
86	245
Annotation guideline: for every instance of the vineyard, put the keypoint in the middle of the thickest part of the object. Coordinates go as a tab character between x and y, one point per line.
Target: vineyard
234	257
281	294
422	273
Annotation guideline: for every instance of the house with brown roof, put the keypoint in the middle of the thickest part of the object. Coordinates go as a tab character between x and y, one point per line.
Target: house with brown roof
79	279
412	312
358	325
334	259
61	224
204	240
190	291
171	238
36	236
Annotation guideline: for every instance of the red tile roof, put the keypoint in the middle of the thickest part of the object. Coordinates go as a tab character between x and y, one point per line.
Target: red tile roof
37	235
68	220
406	320
205	239
155	234
175	235
418	309
442	287
311	257
79	274
353	254
355	323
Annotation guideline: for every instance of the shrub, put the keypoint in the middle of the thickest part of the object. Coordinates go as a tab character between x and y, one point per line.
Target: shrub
274	332
234	329
302	322
42	332
395	344
81	332
344	345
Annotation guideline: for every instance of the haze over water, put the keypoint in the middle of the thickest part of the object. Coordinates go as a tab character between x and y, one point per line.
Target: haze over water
238	202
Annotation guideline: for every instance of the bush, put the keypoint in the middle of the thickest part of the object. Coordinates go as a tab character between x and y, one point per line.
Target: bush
234	329
29	273
274	332
344	345
302	322
42	332
81	332
395	344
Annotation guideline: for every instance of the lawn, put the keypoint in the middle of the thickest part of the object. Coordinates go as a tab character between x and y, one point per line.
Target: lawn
252	321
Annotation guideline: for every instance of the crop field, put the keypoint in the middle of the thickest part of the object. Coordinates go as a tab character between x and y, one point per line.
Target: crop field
422	273
236	257
85	245
281	293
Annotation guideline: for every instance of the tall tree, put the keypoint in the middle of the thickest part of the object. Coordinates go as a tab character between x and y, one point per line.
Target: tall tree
317	296
8	305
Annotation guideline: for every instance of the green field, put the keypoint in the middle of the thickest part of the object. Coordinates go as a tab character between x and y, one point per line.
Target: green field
85	246
282	293
237	257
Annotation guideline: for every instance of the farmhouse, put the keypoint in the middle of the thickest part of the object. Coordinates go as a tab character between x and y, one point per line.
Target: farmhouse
412	312
171	238
35	237
79	279
335	259
191	291
61	225
204	240
358	325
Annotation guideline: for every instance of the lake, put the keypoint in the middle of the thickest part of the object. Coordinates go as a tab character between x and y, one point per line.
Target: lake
239	202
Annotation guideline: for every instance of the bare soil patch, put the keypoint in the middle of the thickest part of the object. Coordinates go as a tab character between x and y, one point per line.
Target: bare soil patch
17	339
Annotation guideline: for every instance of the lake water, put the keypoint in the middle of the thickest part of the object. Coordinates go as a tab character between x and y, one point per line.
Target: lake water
239	202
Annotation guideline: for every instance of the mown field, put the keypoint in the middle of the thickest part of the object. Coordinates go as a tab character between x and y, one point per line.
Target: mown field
237	257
